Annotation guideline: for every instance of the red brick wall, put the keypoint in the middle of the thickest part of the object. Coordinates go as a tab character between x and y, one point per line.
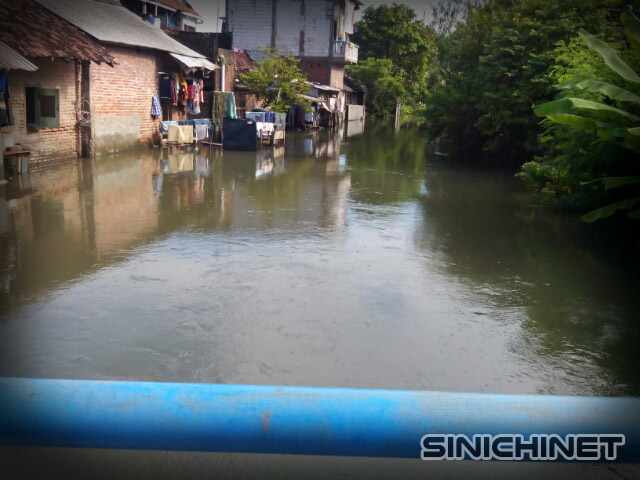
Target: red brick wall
48	143
246	102
121	99
316	70
323	71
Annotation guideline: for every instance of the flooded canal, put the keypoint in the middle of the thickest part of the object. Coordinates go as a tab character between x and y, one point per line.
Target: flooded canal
366	262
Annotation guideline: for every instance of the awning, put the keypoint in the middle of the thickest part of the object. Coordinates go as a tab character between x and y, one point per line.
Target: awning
193	63
11	59
311	99
320	86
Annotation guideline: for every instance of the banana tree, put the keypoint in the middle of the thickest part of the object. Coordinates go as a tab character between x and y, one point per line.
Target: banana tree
609	123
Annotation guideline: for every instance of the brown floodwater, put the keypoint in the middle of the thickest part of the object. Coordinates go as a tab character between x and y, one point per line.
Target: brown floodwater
337	260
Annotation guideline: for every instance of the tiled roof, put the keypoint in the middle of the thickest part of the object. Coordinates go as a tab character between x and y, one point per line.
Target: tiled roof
177	5
242	60
112	23
320	86
33	31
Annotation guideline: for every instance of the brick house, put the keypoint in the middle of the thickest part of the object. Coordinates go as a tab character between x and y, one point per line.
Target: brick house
43	101
112	80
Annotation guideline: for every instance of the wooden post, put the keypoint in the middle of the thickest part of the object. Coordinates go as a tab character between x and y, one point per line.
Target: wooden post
86	133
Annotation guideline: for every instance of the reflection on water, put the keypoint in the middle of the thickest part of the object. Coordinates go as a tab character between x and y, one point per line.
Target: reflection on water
362	262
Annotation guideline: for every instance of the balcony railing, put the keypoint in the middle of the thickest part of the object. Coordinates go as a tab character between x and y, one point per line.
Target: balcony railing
345	52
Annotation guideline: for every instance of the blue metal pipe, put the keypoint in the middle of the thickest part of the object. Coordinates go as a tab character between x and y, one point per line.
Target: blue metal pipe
288	420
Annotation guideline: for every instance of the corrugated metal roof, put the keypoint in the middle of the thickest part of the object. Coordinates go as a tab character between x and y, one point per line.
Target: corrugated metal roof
115	24
194	63
310	98
32	31
11	59
326	88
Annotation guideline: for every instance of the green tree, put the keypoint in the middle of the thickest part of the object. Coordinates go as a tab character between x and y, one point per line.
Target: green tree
496	64
604	117
278	81
395	34
382	88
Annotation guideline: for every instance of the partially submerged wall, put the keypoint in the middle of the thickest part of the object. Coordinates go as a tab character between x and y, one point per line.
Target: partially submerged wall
121	100
355	112
45	143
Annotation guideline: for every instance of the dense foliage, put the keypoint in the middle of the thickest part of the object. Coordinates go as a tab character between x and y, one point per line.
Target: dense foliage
396	50
278	81
497	64
383	88
592	131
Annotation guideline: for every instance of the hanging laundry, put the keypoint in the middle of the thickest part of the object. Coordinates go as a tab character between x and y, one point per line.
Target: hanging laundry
176	86
184	89
156	109
196	95
3	79
230	106
217	112
6	116
201	91
165	87
202	132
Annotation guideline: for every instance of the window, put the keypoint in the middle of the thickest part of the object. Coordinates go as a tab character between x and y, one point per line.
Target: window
43	107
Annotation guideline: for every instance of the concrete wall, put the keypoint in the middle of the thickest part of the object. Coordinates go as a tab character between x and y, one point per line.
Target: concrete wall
250	21
355	112
48	143
121	100
300	27
317	26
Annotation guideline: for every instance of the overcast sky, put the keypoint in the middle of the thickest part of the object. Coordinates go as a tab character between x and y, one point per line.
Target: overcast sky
211	9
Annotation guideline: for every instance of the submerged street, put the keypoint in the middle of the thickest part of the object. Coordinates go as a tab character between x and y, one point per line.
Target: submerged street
366	262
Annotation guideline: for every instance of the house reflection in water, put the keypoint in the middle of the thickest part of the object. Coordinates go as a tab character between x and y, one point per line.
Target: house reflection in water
80	216
269	161
9	254
353	128
183	171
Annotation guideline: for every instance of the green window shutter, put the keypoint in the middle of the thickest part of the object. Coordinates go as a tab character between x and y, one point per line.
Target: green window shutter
48	107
